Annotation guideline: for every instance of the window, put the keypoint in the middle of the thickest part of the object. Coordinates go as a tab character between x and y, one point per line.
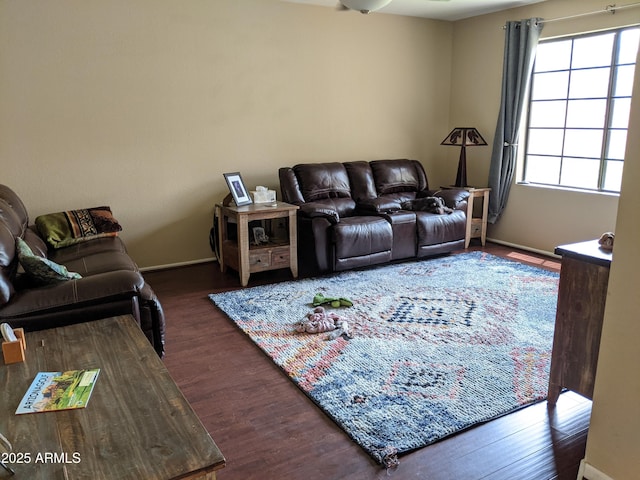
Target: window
579	110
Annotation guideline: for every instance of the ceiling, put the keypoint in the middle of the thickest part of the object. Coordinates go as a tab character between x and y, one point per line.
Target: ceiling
450	10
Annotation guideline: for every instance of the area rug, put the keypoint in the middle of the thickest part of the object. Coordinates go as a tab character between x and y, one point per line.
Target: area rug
434	347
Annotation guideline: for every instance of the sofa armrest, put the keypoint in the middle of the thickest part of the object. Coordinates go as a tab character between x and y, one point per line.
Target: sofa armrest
95	289
379	205
319	210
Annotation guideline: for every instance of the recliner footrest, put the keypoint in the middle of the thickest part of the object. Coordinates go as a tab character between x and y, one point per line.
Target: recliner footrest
361	236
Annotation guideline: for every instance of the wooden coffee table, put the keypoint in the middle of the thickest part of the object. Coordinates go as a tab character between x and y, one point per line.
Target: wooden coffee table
137	424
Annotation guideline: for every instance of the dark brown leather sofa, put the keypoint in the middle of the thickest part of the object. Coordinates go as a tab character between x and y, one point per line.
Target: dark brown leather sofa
351	214
111	282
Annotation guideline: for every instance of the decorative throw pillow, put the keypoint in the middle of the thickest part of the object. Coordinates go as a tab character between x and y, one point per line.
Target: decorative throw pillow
73	226
42	270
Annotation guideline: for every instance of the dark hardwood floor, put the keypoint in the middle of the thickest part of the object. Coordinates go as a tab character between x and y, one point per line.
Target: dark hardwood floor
268	429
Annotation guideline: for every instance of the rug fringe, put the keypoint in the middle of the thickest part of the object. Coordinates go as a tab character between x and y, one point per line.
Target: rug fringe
389	457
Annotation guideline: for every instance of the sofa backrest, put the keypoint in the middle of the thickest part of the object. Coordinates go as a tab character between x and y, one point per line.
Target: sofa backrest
395	176
326	184
320	181
14	221
352	182
363	186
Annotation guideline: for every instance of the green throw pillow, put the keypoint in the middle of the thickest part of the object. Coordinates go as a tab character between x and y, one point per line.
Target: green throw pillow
62	229
42	270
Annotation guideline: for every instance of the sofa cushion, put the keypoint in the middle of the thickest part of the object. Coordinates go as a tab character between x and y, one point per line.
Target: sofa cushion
42	270
71	298
392	176
436	229
391	202
362	241
101	263
363	187
363	235
62	229
78	251
323	180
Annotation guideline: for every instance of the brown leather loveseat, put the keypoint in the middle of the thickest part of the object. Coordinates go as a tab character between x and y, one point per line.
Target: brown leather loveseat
356	214
110	283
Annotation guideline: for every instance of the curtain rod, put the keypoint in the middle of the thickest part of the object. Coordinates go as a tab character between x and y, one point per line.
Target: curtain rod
608	9
613	8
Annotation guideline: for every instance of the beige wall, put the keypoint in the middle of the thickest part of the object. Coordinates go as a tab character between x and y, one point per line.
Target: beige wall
538	218
614	435
144	104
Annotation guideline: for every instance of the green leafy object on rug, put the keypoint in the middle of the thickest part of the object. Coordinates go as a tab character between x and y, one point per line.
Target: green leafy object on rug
335	302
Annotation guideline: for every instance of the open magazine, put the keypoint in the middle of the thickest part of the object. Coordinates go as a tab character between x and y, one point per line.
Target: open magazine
51	391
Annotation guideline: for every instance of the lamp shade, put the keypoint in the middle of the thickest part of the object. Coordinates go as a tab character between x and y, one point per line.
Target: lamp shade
365	6
463	137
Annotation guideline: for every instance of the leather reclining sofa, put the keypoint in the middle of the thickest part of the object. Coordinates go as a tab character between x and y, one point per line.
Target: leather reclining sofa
111	282
351	214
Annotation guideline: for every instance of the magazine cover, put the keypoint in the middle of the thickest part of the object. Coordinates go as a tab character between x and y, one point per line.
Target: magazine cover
51	391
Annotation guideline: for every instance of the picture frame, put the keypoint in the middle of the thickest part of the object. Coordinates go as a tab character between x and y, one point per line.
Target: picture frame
259	236
238	190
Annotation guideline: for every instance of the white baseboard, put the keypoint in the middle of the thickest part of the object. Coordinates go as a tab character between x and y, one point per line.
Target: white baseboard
522	247
589	472
179	264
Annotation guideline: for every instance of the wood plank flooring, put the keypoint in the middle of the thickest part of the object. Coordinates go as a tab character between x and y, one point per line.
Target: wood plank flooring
268	429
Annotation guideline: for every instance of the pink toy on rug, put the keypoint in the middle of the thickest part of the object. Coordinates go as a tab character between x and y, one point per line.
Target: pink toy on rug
319	321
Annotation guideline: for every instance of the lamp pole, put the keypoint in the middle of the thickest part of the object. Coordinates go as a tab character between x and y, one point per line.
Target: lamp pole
461	177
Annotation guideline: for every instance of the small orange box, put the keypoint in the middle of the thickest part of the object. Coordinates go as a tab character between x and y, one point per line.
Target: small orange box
14	351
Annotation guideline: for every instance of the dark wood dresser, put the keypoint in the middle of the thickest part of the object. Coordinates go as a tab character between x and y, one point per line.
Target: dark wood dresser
582	293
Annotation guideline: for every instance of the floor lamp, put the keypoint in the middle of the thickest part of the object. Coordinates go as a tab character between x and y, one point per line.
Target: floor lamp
463	137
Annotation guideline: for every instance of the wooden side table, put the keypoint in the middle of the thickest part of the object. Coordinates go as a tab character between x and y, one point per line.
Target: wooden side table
246	258
476	226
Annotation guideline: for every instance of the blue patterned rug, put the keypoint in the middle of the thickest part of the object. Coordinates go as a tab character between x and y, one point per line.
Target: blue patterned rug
436	346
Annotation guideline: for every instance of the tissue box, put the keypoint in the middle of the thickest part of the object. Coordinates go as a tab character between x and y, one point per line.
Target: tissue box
264	196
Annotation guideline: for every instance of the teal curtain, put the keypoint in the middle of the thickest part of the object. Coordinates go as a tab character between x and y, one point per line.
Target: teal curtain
521	40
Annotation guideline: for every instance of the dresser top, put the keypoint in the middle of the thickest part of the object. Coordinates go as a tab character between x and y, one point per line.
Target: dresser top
589	251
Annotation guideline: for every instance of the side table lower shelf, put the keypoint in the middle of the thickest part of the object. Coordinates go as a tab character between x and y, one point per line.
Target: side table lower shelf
261	258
